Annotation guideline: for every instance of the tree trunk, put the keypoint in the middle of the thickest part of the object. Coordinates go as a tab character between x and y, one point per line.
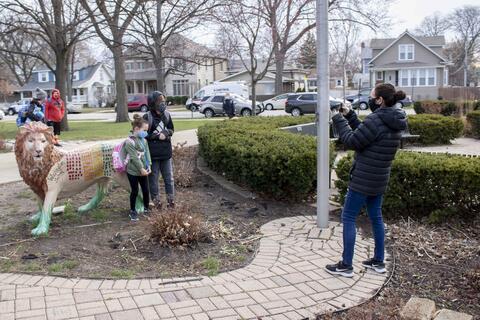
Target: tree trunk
344	82
70	71
254	95
279	66
61	61
159	62
120	85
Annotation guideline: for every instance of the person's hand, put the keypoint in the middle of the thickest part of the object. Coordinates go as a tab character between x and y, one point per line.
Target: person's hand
162	136
144	172
149	171
344	110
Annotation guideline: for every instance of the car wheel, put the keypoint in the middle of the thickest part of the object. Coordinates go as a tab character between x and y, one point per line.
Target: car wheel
246	113
209	113
143	108
296	112
269	107
11	112
363	106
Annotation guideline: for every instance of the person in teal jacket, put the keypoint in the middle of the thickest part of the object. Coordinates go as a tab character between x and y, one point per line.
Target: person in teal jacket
139	164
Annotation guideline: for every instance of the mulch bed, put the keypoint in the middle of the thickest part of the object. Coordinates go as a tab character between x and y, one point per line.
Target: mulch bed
105	244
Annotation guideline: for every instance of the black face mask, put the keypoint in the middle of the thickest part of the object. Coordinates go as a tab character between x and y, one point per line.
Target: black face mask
373	105
160	107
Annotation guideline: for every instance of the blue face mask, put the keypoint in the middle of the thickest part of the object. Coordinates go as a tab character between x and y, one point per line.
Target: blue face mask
142	134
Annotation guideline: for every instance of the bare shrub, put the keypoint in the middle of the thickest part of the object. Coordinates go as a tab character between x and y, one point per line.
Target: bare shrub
184	159
177	227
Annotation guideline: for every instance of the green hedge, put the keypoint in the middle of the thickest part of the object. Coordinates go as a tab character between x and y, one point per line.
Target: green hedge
181	100
423	184
435	129
253	152
443	107
473	119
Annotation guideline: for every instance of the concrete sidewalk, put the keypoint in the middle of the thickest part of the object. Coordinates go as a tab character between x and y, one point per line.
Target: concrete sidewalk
8	164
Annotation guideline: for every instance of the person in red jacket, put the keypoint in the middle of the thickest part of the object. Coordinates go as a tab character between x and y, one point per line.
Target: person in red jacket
54	112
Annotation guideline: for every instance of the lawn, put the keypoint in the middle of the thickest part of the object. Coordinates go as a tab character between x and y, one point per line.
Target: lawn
99	130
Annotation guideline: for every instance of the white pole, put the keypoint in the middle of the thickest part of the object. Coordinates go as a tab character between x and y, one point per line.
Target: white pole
323	116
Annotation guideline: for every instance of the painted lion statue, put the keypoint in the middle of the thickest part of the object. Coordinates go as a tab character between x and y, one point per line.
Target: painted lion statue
52	173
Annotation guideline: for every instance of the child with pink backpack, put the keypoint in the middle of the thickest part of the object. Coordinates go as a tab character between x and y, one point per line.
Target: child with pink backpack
133	156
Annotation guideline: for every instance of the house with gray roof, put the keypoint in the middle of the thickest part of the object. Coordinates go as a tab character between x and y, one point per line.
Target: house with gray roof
91	84
416	65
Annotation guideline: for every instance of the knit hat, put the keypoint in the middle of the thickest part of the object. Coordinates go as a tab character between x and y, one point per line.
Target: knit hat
39	94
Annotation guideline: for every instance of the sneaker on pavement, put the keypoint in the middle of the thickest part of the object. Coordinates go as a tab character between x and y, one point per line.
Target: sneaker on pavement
133	216
375	265
340	269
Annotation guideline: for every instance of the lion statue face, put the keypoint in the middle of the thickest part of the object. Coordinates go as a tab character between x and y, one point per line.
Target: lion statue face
35	145
34	142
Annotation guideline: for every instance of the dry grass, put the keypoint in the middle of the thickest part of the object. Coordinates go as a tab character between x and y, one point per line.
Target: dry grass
184	159
177	227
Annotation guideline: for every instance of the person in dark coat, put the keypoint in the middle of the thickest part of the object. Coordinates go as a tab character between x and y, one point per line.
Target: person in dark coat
229	106
159	138
375	141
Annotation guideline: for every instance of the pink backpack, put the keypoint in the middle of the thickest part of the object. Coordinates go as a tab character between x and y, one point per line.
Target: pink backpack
120	159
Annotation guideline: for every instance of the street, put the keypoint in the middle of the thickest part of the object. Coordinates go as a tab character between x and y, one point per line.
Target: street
110	116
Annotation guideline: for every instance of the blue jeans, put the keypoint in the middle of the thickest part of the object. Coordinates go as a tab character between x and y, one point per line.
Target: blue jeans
353	204
165	168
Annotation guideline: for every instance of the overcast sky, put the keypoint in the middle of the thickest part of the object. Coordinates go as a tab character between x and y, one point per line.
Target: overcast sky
410	13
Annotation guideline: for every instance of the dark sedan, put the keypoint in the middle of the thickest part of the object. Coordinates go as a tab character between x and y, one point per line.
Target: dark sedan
360	100
306	103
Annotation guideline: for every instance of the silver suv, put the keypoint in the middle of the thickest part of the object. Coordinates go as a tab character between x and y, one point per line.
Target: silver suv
213	106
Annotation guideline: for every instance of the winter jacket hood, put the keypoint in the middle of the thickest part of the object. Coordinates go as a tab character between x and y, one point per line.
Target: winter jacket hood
393	117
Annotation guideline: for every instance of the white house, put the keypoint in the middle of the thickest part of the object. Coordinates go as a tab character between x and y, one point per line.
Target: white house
91	84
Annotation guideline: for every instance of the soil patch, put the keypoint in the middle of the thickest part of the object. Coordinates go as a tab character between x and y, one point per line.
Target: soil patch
105	244
438	262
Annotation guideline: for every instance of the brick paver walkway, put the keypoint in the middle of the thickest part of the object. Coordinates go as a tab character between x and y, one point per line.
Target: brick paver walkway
286	280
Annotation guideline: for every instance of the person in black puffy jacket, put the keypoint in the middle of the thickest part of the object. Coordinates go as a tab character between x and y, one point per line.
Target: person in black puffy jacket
375	141
159	138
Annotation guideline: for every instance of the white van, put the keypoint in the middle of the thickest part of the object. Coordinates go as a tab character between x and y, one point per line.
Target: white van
217	88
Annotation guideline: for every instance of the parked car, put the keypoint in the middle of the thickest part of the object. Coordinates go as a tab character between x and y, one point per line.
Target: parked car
360	101
2	115
217	88
138	103
213	106
74	108
15	108
275	103
306	103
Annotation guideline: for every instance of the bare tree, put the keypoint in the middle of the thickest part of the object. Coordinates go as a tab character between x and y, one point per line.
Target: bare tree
465	22
20	65
290	20
57	24
111	19
343	38
244	34
157	31
432	26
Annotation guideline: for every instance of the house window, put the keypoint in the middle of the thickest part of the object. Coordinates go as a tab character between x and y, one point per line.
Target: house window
81	91
379	75
405	52
404	77
74	92
180	87
129	66
76	76
422	77
43	77
431	77
130	89
179	64
445	77
339	83
312	83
